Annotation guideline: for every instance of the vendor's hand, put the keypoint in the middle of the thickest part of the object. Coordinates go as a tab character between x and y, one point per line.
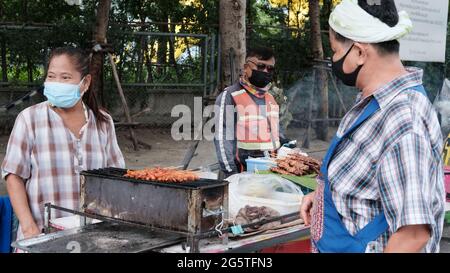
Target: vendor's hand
30	230
305	208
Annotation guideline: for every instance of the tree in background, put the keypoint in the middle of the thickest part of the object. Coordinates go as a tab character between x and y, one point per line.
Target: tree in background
321	75
232	28
99	37
29	29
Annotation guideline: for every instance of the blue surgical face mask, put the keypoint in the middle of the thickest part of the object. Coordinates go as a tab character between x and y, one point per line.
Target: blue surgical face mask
62	95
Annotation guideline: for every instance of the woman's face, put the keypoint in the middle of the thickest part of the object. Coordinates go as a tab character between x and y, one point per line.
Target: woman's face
61	69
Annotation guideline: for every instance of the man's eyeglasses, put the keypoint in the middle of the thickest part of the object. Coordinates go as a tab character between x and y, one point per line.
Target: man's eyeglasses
262	67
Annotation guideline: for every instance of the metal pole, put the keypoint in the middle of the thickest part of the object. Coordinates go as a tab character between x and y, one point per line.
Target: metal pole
212	64
162	84
205	66
308	129
171	34
219	64
47	217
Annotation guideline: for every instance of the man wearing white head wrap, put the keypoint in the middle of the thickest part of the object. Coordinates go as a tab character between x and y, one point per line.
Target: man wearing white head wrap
354	23
381	187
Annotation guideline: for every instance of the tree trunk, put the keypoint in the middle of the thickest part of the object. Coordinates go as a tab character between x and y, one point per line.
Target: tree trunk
120	65
327	8
3	49
140	62
1	10
142	46
321	75
29	69
148	61
101	27
17	72
162	47
172	59
250	18
232	39
25	10
4	63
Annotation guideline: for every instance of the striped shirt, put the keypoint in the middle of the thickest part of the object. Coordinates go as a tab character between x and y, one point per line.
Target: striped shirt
391	164
48	157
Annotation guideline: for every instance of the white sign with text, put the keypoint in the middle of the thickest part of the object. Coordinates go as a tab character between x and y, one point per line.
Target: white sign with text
427	41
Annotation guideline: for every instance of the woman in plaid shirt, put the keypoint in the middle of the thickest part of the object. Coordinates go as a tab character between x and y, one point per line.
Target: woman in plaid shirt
53	141
381	186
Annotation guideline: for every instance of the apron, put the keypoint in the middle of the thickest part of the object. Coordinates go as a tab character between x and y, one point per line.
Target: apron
329	233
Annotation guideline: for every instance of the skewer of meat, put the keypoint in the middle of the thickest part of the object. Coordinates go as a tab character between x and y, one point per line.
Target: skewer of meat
170	175
296	164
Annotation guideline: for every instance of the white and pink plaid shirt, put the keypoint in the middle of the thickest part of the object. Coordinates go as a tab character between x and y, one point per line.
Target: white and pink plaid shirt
48	157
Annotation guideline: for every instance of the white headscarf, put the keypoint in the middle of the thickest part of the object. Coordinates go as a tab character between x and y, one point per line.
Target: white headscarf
354	23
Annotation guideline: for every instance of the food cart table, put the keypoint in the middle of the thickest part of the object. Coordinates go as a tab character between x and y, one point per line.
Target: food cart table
249	244
102	237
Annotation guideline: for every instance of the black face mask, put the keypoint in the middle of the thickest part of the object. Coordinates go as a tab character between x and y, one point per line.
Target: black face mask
338	70
260	78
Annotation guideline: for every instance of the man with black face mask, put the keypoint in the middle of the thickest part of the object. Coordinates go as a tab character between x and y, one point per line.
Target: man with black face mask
247	121
381	185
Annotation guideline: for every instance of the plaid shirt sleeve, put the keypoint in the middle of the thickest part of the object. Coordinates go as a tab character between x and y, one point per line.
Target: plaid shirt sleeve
404	177
18	154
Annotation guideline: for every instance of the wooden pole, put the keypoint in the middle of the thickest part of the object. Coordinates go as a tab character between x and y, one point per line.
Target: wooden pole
338	93
306	141
124	101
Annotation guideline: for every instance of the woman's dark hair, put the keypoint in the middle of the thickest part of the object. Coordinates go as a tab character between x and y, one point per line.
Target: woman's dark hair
81	60
386	11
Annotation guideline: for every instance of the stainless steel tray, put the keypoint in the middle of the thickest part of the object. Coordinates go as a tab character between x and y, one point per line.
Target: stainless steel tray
99	238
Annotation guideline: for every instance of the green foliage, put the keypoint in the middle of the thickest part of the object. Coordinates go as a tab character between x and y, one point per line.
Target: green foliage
52	23
291	46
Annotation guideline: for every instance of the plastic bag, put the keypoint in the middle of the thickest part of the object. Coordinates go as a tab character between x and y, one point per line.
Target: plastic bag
267	190
442	106
285	151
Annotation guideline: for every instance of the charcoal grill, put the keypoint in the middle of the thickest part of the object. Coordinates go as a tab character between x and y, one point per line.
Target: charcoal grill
138	215
141	216
189	208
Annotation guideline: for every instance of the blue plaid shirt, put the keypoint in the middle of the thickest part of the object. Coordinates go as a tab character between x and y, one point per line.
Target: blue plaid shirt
391	164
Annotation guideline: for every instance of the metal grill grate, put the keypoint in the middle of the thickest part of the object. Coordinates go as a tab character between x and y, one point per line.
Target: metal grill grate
118	174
